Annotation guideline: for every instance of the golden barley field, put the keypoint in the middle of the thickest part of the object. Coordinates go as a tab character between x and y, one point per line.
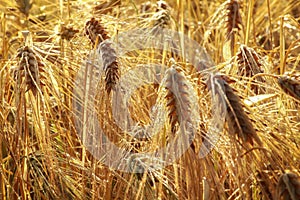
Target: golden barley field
93	94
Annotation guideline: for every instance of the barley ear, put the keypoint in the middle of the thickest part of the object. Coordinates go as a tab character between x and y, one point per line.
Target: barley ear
237	120
31	68
249	64
288	186
233	22
68	32
178	102
110	65
290	84
95	31
162	14
24	6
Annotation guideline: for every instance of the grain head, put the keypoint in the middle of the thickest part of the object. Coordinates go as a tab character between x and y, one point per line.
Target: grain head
95	31
290	84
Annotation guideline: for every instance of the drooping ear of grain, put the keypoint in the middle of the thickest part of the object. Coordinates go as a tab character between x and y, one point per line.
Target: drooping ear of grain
98	36
95	31
178	102
110	65
162	14
233	22
30	67
237	120
288	186
24	6
68	32
249	64
290	85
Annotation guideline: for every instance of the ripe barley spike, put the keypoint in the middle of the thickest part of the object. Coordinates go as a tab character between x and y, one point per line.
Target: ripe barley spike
98	37
95	31
68	32
178	102
110	65
30	67
233	22
162	14
249	64
24	6
288	186
236	118
290	85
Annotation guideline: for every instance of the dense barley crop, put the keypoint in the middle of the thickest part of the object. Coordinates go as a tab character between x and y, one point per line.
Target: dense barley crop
210	109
